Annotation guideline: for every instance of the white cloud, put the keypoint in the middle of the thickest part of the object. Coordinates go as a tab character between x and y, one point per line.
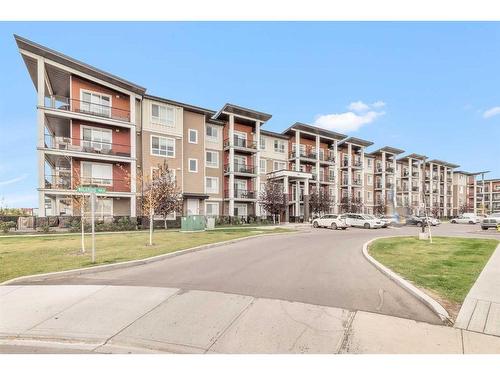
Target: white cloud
13	180
359	114
491	112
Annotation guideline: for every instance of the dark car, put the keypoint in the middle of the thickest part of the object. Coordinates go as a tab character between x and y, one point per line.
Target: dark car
415	220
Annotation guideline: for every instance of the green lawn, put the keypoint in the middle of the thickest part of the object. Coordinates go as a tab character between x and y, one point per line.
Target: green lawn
33	255
449	266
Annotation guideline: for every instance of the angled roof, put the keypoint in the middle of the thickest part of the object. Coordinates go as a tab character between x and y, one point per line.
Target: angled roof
273	134
356	141
388	149
189	107
241	111
315	130
445	163
70	62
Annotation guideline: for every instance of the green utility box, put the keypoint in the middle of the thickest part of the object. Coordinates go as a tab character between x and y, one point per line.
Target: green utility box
193	223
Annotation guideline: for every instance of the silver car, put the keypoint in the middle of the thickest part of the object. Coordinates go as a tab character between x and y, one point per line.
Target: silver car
490	221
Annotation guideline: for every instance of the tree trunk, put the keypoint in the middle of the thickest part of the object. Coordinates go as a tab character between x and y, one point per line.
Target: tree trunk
151	224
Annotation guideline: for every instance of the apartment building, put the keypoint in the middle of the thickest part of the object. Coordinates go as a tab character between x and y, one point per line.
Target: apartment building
483	195
98	129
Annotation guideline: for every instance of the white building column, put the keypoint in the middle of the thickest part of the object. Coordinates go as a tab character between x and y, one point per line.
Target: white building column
394	180
257	168
41	133
445	192
431	185
317	163
285	193
231	165
297	198
297	150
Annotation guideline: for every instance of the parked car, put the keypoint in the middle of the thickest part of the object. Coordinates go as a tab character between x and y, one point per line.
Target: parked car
330	221
362	220
490	221
465	218
388	220
433	221
416	220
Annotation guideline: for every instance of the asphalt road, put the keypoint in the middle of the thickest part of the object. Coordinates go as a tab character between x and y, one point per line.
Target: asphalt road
316	266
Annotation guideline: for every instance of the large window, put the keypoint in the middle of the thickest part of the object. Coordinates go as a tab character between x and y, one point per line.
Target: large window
96	173
162	115
103	207
95	103
262	144
96	138
279	146
212	185
279	165
212	209
212	159
162	146
212	133
262	166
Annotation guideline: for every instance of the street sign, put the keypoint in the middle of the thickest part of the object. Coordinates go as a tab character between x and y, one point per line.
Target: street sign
90	189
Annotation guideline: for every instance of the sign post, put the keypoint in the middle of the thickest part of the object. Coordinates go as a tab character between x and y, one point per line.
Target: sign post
92	190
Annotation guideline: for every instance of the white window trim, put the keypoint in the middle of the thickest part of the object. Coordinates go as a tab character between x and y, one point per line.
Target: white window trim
96	93
82	127
189	165
240	134
151	146
211	138
189	136
92	177
216	185
206	162
213	203
280	142
262	140
158	122
265	166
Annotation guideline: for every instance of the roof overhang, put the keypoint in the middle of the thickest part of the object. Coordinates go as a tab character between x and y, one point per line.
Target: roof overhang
413	156
189	107
389	150
195	195
444	163
273	134
39	50
312	131
356	141
240	112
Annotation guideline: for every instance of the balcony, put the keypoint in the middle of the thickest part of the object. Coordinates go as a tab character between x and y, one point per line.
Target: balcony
87	146
406	173
357	164
242	144
389	170
241	194
65	182
83	107
241	168
378	185
414	174
389	185
414	188
357	181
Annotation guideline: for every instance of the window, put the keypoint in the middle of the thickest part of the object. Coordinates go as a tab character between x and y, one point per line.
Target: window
154	174
262	166
369	196
96	173
369	162
212	159
103	207
212	209
279	146
240	209
279	165
95	103
162	146
193	136
193	165
212	133
262	144
240	139
162	115
212	185
369	179
96	138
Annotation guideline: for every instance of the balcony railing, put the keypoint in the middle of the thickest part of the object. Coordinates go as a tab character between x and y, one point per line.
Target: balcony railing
62	182
414	174
88	108
86	145
406	173
356	181
389	170
389	185
241	194
241	142
240	168
414	188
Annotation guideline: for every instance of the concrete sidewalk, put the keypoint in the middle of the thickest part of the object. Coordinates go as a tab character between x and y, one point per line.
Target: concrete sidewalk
480	311
130	319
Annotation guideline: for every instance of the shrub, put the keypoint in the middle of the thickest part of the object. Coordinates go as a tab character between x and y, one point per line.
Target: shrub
5	226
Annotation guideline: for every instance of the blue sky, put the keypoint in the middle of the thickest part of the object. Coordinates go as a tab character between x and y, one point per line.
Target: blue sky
429	88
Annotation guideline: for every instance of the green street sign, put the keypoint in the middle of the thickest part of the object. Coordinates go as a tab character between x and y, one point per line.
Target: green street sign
90	189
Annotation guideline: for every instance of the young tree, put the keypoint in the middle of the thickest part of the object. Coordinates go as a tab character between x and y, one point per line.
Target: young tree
315	205
351	204
272	199
325	200
380	207
435	211
172	196
465	208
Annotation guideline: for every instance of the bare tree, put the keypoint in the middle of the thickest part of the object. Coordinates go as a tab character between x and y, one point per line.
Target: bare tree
172	196
315	205
464	208
435	211
351	204
273	200
380	207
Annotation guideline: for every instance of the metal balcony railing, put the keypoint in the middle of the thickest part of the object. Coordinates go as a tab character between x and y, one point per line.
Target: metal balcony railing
65	182
86	145
241	194
89	108
241	142
389	170
240	168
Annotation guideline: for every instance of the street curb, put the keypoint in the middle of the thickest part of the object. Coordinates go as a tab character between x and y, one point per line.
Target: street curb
409	287
130	263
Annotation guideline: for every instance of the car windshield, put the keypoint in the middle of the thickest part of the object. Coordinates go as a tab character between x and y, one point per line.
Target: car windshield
369	217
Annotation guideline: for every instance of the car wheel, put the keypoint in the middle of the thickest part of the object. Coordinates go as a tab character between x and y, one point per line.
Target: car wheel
315	224
333	226
419	224
471	222
366	226
484	228
453	221
344	228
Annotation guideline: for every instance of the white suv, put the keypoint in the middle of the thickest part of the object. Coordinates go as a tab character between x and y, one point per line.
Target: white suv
465	219
363	221
329	221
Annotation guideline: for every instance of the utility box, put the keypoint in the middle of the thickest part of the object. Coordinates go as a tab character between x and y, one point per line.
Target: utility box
210	223
193	223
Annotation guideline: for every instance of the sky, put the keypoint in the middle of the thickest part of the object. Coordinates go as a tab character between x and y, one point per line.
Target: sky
427	88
